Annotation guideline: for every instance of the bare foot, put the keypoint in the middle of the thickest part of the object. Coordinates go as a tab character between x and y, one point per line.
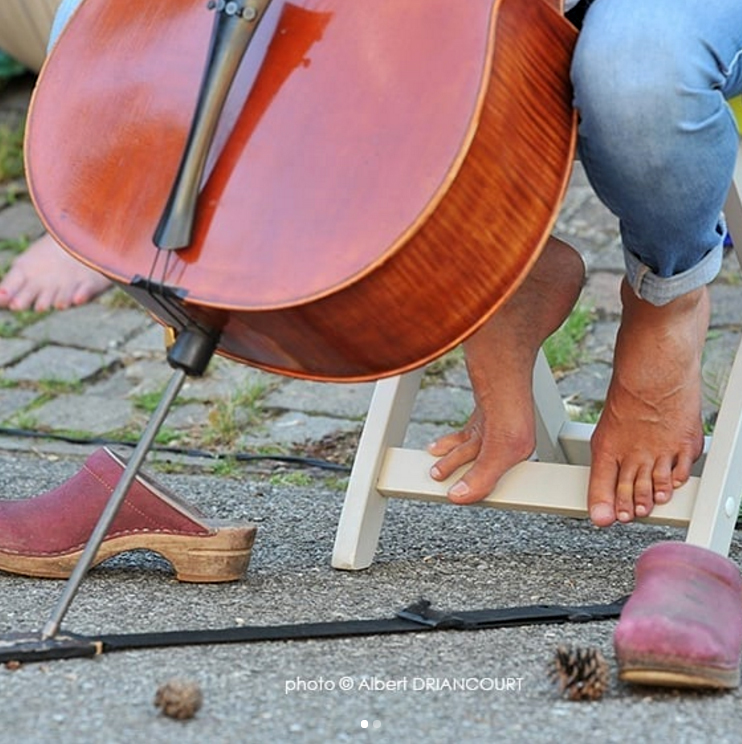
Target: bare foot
650	432
500	358
45	276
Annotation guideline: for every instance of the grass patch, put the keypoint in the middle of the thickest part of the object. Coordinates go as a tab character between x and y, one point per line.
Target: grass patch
564	347
440	366
230	416
166	436
14	246
226	467
587	415
25	420
11	152
297	478
18	321
52	387
118	299
148	402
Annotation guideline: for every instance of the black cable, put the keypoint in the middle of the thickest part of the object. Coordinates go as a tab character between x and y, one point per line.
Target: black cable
310	462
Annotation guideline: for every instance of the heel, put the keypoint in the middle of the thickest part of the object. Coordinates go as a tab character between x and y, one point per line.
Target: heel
219	557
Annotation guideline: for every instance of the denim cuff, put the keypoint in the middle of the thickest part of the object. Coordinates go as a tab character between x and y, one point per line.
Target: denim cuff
658	290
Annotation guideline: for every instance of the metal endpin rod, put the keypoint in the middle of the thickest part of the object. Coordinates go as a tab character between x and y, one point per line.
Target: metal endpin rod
112	507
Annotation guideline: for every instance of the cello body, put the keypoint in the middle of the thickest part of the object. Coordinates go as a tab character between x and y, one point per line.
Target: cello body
382	178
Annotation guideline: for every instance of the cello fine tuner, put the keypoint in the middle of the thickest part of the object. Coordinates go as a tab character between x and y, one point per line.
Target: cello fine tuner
233	8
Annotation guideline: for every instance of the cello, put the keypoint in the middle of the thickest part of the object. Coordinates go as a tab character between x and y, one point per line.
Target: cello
326	189
365	184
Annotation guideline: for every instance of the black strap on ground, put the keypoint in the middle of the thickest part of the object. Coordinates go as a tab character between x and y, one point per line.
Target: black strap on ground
417	618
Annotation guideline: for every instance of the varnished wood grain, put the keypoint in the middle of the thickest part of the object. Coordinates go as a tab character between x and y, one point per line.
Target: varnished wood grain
382	180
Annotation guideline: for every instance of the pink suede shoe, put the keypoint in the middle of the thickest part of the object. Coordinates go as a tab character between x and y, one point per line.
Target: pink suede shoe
682	626
44	536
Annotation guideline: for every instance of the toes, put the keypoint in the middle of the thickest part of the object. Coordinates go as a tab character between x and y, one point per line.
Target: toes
478	482
461	455
93	285
643	496
682	470
463	493
662	481
601	494
44	299
63	298
624	492
9	289
625	489
23	299
446	444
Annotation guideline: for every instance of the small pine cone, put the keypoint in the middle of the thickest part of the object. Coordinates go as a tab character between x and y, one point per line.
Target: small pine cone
581	673
179	698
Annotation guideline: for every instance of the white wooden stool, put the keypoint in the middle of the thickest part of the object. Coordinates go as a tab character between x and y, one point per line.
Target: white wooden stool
554	483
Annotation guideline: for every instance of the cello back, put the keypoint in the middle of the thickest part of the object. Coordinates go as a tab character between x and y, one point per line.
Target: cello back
380	182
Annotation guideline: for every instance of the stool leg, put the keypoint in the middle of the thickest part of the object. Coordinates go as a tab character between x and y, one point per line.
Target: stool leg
551	415
717	503
363	511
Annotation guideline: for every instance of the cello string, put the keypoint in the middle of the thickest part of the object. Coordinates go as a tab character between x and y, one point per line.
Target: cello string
156	289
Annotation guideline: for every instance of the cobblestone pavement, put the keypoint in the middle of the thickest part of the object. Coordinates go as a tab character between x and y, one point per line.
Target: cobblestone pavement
94	371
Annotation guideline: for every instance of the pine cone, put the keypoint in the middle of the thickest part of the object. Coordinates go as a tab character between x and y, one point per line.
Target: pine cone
179	698
581	673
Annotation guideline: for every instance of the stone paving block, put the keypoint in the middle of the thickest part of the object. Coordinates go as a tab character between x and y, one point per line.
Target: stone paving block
599	342
14	400
294	429
457	377
9	321
420	435
602	293
586	385
225	378
59	363
13	349
85	413
439	404
731	270
151	339
19	220
117	385
574	200
188	416
726	300
147	376
90	326
718	357
349	400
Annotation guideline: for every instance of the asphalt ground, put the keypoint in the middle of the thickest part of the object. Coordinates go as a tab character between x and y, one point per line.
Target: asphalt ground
401	686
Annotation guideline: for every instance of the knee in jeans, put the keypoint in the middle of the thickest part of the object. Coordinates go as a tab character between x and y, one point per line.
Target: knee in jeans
612	89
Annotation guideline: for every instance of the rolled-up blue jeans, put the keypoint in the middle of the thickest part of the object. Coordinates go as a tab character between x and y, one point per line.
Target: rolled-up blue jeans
656	137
